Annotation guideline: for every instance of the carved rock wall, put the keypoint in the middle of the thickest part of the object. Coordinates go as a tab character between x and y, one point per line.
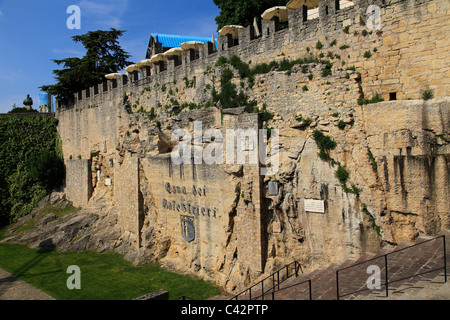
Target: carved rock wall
395	152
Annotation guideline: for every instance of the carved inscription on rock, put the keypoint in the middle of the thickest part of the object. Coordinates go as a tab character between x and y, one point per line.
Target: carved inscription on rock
196	207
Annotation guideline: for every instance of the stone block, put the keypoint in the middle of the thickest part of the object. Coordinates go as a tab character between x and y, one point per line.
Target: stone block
390	40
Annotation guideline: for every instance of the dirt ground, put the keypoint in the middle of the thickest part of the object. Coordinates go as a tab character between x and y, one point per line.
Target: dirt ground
12	288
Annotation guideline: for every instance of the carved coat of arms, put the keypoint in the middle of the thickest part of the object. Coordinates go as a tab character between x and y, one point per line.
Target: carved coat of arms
188	228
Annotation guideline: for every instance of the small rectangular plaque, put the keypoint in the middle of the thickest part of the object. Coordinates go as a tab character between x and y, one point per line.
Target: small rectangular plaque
276	227
107	182
273	188
315	206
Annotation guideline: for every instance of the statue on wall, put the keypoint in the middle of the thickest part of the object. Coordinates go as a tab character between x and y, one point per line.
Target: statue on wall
28	103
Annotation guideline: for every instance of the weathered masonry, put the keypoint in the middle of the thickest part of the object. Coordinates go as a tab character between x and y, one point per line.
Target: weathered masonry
227	222
410	53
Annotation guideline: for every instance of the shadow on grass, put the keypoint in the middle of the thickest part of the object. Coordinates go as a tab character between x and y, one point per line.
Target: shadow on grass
104	276
45	248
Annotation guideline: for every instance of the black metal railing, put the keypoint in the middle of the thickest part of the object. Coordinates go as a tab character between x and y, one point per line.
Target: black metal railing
387	280
270	284
276	289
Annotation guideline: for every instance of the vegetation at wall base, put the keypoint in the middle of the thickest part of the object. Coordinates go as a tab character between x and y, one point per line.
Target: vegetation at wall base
249	73
375	99
31	164
427	94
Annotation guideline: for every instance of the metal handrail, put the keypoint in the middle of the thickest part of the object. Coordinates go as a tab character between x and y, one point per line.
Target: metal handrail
275	283
385	256
294	285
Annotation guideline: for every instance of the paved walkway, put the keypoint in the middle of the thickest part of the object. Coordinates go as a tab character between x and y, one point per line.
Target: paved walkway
415	272
12	288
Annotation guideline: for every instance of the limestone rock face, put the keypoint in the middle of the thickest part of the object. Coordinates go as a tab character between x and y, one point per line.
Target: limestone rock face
212	220
92	228
396	154
386	179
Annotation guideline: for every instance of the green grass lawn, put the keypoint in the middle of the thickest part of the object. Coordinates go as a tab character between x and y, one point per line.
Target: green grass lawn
103	276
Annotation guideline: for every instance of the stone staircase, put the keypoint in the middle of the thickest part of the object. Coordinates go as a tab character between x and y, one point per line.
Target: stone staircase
415	271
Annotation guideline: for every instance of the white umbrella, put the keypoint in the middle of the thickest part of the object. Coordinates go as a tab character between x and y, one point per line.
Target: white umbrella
113	76
281	12
132	68
231	29
157	58
191	45
173	52
144	63
295	4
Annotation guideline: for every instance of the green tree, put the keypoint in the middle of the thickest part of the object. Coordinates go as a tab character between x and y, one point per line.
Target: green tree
243	12
16	109
103	55
31	163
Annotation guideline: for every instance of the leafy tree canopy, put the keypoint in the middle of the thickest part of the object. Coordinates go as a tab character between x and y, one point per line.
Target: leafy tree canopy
31	163
243	12
103	55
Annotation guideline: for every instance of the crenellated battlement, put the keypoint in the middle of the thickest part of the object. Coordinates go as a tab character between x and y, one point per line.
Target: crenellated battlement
247	45
346	25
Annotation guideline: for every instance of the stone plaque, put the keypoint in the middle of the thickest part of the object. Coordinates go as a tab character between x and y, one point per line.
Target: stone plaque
276	227
314	206
107	182
273	188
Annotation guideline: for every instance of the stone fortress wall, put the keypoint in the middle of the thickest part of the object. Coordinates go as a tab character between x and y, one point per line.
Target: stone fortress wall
411	51
115	151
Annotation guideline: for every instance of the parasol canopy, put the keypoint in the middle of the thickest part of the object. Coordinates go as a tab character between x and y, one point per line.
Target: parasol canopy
144	63
173	52
132	68
231	29
281	12
191	45
157	58
113	76
295	4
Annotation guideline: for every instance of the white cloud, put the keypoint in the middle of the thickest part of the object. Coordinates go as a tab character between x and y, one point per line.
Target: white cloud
96	8
106	14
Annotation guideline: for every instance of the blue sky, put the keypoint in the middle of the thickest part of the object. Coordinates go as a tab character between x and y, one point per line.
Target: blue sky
33	32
